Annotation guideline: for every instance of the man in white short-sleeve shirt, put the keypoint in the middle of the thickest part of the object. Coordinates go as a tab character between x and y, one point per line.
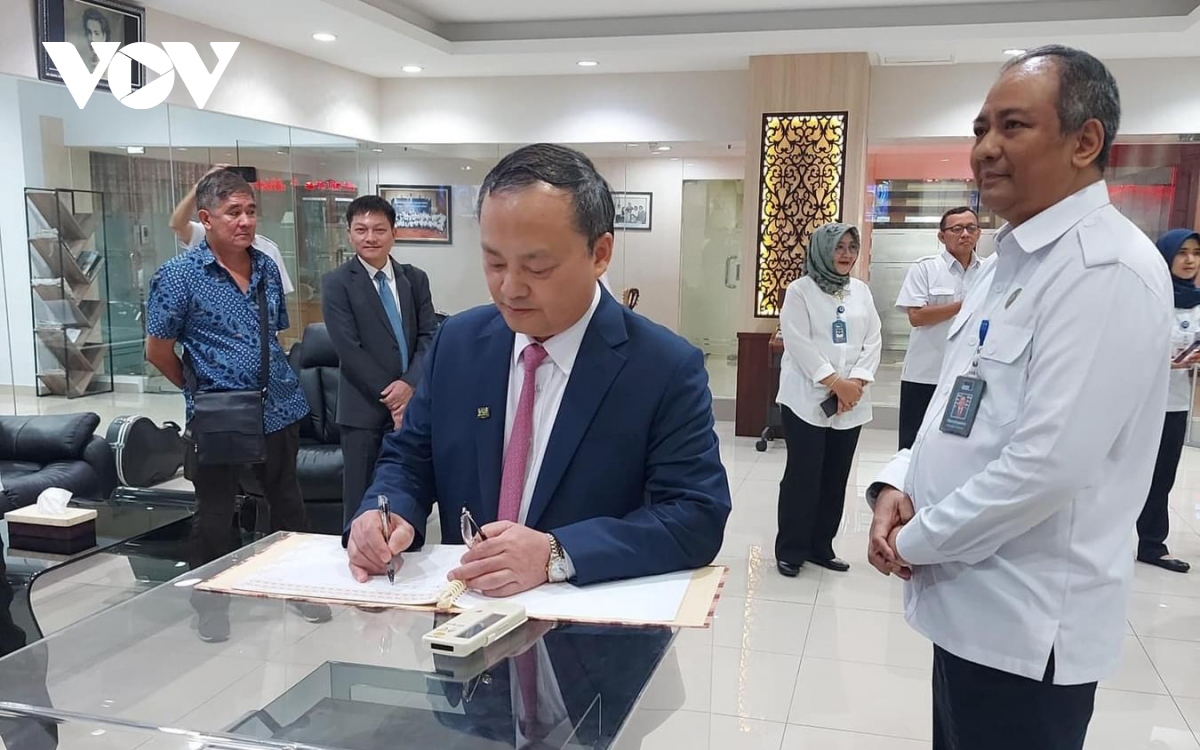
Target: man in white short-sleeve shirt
190	233
932	295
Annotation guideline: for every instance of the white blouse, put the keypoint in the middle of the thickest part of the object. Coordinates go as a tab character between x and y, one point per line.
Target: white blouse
1183	333
810	354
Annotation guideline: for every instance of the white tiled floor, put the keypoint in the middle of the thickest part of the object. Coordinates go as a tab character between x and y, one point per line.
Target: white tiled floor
826	661
820	662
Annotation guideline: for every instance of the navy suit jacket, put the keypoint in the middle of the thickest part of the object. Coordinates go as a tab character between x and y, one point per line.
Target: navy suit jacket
632	482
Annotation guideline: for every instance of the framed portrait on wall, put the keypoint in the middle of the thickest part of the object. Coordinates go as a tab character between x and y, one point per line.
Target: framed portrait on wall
82	22
634	210
423	213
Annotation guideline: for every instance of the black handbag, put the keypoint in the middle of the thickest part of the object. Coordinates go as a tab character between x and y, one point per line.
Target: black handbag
227	426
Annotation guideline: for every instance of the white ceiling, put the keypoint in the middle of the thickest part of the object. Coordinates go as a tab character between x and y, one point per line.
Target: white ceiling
469	38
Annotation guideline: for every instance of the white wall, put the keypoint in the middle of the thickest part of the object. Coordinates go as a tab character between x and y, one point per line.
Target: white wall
262	82
18	313
566	109
1158	96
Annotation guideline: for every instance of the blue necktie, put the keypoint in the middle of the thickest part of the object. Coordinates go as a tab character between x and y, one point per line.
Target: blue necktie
389	306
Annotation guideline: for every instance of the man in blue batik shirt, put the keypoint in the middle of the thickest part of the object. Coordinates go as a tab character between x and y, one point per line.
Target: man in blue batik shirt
205	299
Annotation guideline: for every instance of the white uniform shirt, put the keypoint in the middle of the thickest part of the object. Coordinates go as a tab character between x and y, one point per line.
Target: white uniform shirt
551	384
1183	333
263	244
932	280
1022	541
810	356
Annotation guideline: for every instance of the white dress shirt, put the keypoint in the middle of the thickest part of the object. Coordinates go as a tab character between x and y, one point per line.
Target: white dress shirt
1183	333
810	356
932	280
551	383
1022	540
390	272
260	243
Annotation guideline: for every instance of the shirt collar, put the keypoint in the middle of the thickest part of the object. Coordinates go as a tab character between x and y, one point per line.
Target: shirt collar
952	262
563	348
1051	224
208	257
387	269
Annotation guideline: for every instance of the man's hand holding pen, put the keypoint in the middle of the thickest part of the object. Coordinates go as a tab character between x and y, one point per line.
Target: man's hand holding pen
373	546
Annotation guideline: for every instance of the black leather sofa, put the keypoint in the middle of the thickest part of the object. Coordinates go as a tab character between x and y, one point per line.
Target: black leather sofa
319	462
56	450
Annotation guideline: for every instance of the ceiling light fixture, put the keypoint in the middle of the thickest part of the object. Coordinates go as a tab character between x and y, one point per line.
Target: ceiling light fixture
1014	51
135	149
377	150
663	148
587	63
633	145
412	69
325	36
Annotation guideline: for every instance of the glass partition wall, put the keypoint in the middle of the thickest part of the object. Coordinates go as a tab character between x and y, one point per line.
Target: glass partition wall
676	253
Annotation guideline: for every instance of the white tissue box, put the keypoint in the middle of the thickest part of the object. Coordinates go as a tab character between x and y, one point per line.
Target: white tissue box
65	533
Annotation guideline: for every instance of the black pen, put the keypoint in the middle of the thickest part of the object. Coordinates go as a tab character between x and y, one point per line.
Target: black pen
385	511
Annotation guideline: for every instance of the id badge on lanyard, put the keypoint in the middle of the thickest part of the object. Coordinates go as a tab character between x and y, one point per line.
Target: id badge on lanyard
968	390
839	326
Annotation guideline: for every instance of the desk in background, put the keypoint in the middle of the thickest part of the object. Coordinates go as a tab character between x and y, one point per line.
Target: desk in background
759	357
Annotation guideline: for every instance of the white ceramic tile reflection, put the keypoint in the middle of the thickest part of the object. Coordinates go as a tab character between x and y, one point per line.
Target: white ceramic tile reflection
1136	672
761	625
664	730
1178	663
1190	708
255	690
864	698
813	738
862	588
755	577
681	683
1162	616
752	684
78	604
881	638
1136	721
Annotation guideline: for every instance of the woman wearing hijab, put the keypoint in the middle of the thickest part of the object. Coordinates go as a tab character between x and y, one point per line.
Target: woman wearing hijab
831	344
1181	249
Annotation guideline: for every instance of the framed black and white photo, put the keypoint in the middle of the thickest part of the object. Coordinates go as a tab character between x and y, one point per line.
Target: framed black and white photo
423	213
634	210
82	22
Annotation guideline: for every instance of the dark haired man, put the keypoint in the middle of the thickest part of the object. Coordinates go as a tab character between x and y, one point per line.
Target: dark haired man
206	300
381	320
1013	515
579	434
932	295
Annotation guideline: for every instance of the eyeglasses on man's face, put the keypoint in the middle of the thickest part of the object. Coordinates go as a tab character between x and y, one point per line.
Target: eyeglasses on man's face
962	229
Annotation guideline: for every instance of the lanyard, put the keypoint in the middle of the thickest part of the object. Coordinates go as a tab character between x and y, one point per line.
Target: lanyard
983	332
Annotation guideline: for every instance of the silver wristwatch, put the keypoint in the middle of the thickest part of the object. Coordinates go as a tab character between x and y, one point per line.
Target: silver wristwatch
556	568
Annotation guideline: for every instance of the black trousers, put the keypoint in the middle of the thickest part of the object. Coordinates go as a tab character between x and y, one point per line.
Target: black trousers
813	491
217	490
1155	522
914	402
980	708
360	451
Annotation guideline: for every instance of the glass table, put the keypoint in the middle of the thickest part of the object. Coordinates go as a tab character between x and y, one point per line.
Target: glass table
361	680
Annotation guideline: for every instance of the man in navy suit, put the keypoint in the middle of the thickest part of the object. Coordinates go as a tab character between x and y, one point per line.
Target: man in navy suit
577	432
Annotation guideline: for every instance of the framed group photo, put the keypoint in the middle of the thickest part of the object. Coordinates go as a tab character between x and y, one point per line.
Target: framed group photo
81	22
634	210
423	213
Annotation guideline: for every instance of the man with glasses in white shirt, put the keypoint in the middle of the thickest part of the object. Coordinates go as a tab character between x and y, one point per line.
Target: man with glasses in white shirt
932	295
1013	515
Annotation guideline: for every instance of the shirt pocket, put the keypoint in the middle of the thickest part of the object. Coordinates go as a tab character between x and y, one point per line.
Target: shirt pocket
1004	366
941	295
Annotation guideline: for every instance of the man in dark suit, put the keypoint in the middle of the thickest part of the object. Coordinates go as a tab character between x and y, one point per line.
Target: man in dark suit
381	319
579	433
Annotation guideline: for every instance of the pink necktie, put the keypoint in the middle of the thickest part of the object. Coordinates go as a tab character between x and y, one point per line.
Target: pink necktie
516	458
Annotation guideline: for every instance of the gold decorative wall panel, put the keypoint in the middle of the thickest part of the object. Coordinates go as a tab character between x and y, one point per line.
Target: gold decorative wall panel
802	185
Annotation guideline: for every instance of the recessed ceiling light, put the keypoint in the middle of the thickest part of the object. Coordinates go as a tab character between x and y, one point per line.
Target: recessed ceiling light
324	36
412	69
467	168
674	158
1014	51
587	63
282	153
377	150
663	148
633	145
135	149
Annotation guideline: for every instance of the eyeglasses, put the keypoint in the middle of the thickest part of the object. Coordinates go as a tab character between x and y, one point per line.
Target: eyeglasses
852	250
965	228
470	530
